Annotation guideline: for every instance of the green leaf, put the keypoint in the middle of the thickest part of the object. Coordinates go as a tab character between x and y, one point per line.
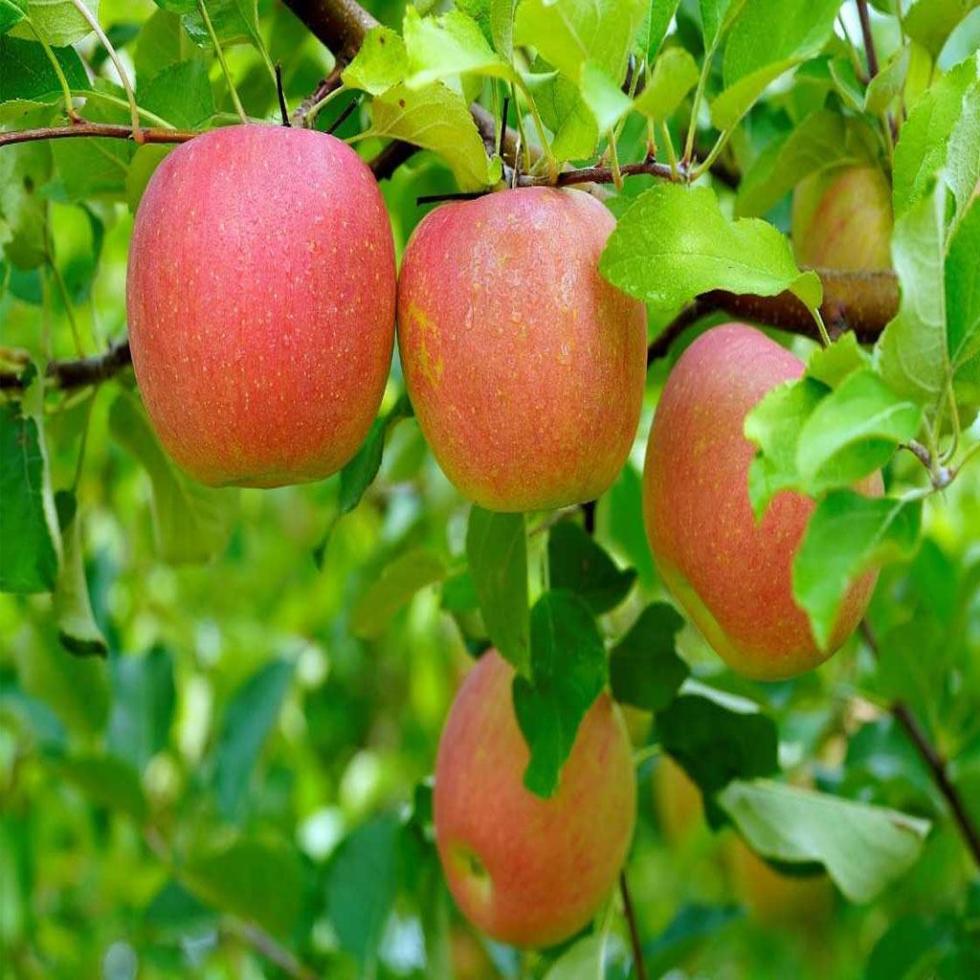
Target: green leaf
716	18
361	886
11	12
191	522
653	28
95	167
830	365
27	74
568	32
250	716
29	558
930	22
257	880
392	589
774	425
864	848
888	84
923	145
435	118
234	21
962	171
496	549
584	958
143	700
853	432
57	21
145	161
71	607
623	521
74	688
674	243
718	738
766	39
181	94
578	564
962	284
502	27
360	472
693	926
604	98
674	74
644	669
450	44
564	112
568	672
381	62
825	139
107	782
847	534
913	351
161	43
24	170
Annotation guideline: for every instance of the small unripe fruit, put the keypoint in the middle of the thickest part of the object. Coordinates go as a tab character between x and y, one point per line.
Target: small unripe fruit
525	367
261	300
525	870
842	219
730	573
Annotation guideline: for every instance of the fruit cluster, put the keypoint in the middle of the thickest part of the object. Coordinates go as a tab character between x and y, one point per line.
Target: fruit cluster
262	323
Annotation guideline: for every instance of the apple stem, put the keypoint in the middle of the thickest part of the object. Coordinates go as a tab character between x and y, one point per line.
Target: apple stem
283	108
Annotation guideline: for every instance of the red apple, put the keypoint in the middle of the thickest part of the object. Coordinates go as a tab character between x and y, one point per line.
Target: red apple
731	574
525	870
842	219
261	298
525	367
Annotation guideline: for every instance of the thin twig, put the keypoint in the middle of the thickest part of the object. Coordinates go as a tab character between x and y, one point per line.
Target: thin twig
639	966
325	86
106	130
934	761
869	41
270	948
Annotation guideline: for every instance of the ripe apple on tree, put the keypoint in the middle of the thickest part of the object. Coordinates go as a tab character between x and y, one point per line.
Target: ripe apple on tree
842	219
526	368
525	870
732	574
261	300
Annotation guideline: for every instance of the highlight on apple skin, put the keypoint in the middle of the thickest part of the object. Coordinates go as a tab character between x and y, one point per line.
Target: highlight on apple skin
842	219
732	575
262	321
525	870
526	368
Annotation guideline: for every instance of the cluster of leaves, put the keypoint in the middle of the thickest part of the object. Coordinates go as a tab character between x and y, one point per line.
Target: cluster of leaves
251	771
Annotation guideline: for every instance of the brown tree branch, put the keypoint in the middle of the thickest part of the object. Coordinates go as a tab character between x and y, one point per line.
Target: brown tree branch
110	131
936	764
863	302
